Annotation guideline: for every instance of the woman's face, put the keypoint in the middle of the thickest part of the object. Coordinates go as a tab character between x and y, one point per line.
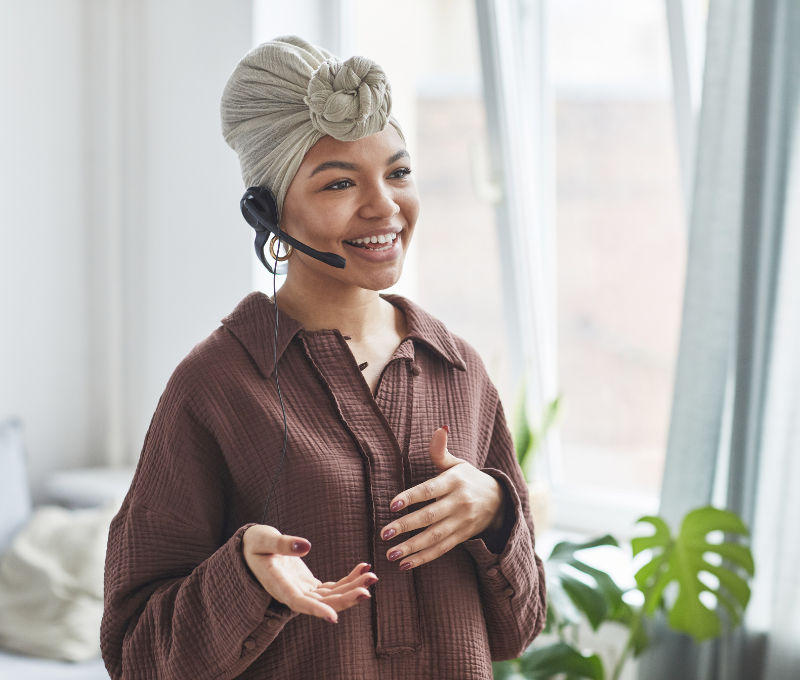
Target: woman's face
348	191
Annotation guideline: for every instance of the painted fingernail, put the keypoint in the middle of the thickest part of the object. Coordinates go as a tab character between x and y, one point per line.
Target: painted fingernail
329	619
301	546
395	554
362	597
365	569
388	534
370	581
405	566
446	429
397	505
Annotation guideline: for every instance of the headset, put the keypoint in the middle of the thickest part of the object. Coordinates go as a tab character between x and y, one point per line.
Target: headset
260	209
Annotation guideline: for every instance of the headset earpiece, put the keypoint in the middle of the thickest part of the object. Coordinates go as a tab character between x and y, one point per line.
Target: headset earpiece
260	209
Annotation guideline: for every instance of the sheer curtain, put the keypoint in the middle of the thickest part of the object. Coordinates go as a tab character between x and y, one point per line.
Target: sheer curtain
736	413
775	607
519	121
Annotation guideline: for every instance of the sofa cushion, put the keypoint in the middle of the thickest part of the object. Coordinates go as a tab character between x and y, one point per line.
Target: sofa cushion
51	584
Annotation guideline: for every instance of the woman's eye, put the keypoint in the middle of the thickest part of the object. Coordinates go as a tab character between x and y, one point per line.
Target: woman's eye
400	173
338	186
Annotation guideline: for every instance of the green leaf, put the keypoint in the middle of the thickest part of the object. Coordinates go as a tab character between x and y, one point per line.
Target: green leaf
566	549
599	599
682	560
589	600
522	431
504	670
527	439
658	539
560	657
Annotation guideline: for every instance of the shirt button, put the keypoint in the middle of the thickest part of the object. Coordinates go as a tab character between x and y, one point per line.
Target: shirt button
250	644
508	592
415	370
492	572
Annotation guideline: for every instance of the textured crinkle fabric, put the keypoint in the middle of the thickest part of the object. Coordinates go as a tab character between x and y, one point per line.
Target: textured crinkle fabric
286	94
180	601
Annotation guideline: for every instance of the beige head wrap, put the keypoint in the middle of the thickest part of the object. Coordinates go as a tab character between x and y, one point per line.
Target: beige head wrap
286	94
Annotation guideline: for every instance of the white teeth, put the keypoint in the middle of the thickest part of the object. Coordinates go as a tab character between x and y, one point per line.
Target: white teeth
383	238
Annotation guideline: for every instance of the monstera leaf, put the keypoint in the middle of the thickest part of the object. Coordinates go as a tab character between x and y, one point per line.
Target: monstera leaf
546	662
684	559
598	597
542	663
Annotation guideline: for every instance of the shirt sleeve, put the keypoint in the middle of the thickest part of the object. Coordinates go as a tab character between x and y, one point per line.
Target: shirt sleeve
180	600
512	583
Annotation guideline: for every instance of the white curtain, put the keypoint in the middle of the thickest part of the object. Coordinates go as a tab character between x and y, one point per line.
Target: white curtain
520	131
775	607
734	434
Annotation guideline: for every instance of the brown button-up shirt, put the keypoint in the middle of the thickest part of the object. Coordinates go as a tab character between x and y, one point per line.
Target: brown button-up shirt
180	600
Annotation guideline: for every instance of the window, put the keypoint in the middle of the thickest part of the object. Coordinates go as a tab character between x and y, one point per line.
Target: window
621	239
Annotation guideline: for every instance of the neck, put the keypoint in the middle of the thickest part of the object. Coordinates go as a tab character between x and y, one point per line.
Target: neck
323	304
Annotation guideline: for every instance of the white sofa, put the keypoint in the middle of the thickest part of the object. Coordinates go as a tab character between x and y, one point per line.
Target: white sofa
15	508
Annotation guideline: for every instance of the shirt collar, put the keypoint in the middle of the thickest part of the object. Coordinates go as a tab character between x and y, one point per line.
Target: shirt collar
253	324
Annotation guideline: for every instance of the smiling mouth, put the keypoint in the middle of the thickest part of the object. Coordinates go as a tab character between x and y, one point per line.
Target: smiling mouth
377	243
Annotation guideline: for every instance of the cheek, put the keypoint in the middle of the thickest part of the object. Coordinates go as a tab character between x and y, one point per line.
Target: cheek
409	205
315	223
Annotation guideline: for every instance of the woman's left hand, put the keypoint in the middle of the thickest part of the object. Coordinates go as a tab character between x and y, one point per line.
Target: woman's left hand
468	502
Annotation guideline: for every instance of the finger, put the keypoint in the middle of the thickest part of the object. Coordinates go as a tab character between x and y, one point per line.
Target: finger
363	581
346	600
424	517
436	534
360	569
267	540
300	600
305	604
432	488
440	456
431	553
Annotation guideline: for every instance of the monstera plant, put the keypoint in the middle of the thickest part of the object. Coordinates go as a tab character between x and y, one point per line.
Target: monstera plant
702	584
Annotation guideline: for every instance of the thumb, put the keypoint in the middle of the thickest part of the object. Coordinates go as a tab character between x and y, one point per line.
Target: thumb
440	456
271	541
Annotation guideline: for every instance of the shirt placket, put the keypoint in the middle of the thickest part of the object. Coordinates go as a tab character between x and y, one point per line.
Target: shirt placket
394	600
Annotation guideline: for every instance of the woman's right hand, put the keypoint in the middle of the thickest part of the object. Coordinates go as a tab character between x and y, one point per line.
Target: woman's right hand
275	561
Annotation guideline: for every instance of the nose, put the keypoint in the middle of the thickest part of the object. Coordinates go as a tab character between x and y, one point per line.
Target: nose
379	203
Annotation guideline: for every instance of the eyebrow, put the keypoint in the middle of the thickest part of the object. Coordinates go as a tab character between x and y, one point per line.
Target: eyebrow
352	167
328	165
400	154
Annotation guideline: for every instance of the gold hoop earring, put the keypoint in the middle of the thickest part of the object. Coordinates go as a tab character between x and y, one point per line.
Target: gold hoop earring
282	258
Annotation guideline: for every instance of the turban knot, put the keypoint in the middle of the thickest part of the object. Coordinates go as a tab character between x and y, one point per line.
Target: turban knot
349	100
286	94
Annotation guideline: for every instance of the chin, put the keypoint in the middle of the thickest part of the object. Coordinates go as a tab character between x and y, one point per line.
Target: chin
381	280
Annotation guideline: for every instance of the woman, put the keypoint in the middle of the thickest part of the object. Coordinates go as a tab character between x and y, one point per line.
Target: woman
399	513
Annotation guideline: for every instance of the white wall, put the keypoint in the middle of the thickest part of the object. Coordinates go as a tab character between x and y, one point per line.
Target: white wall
121	244
43	311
